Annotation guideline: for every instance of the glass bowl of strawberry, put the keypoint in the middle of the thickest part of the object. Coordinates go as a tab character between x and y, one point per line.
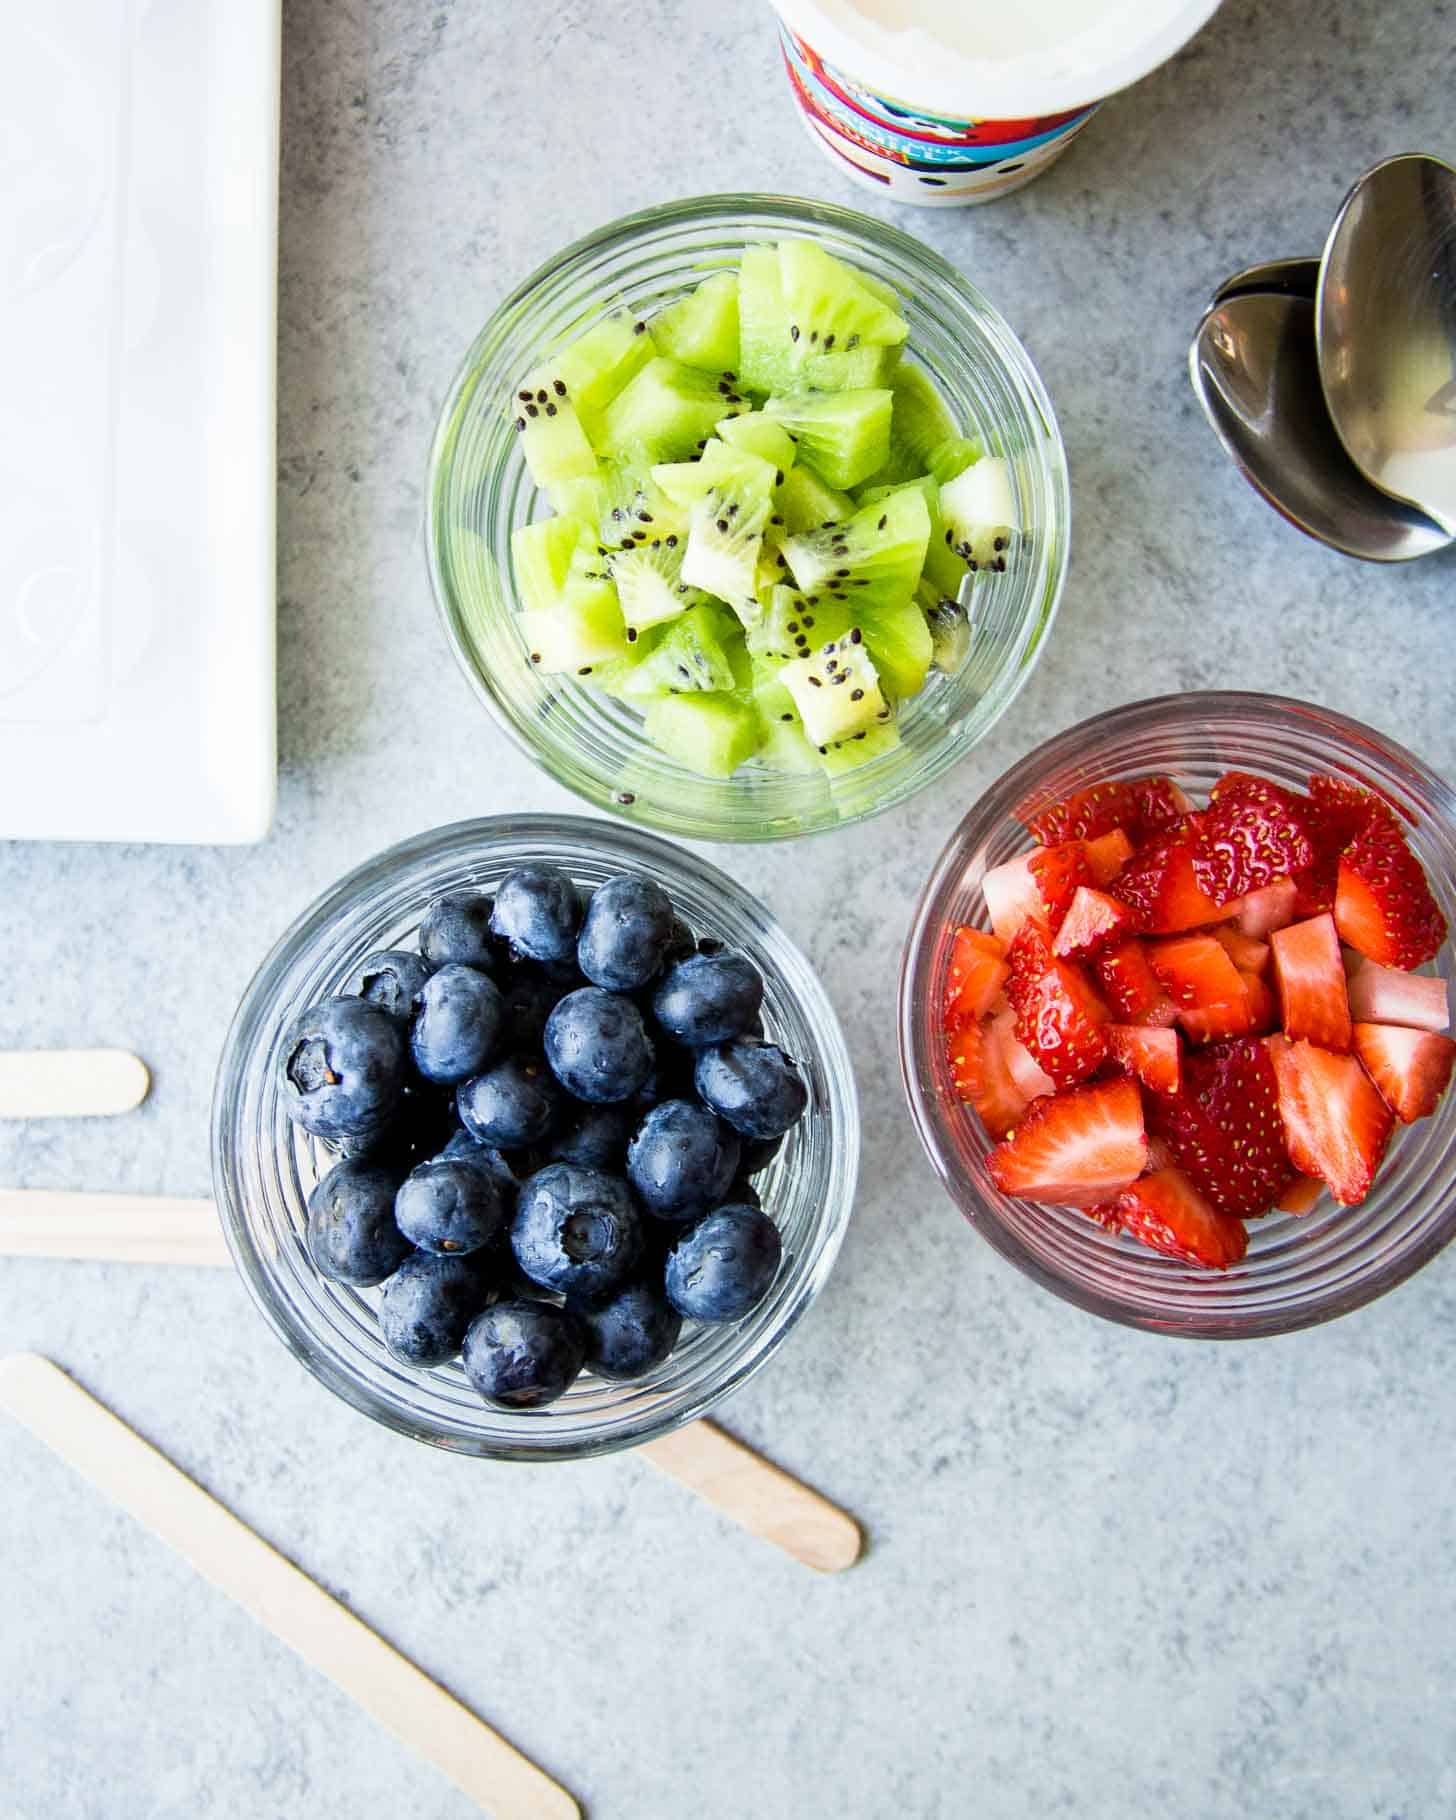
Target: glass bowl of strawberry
1174	1019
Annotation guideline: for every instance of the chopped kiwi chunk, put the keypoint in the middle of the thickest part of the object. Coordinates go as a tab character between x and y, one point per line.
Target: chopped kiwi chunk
874	558
836	689
701	329
807	501
710	734
575	634
979	510
688	659
846	435
666	412
649	582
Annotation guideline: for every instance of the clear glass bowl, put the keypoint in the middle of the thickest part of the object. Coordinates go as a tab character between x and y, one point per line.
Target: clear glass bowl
479	490
1298	1271
264	1165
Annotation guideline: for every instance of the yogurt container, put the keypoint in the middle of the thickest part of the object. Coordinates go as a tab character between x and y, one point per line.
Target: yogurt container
946	102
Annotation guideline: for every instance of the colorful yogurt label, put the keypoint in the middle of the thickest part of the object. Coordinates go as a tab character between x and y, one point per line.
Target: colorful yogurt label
913	155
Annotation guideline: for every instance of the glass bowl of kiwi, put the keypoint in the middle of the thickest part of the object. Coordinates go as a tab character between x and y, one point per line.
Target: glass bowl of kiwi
747	517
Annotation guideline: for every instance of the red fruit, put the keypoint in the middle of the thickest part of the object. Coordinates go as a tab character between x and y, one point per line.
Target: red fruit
1269	908
1194	970
1107	855
1058	1015
1150	1056
1059	872
1031	1081
1037	886
1386	995
1263	1006
1159	881
1336	1124
1216	1023
1224	1127
976	973
982	1079
1130	986
1383	905
1160	1153
1093	921
1310	975
1301	1194
1166	1212
1411	1068
1141	806
1246	954
1076	1148
1253	833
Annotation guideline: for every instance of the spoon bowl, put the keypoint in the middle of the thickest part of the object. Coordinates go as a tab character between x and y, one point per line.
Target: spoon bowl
1289	277
1385	331
1253	367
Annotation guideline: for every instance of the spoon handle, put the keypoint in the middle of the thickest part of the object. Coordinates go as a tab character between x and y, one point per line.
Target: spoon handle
70	1083
119	1228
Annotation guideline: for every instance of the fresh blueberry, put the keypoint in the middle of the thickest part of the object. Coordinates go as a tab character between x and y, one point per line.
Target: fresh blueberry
681	942
633	1330
576	1230
459	1026
529	996
457	928
708	997
537	911
341	1069
753	1085
756	1154
522	1354
597	1046
352	1235
464	1148
596	1138
681	1160
625	933
511	1104
392	979
723	1264
450	1205
429	1302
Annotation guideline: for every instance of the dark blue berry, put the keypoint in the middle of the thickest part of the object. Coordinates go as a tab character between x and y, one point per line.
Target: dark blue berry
352	1235
511	1104
457	928
450	1205
757	1153
529	996
630	1332
625	933
392	979
418	1128
428	1304
681	942
576	1230
723	1265
459	1026
681	1160
341	1068
753	1085
743	1194
596	1138
464	1148
522	1354
537	911
708	997
597	1046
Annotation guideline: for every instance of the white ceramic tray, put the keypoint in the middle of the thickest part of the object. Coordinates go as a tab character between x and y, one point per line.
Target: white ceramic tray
138	256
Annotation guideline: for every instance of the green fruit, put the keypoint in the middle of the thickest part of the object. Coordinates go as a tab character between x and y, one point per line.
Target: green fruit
836	689
665	413
846	435
710	734
701	329
872	559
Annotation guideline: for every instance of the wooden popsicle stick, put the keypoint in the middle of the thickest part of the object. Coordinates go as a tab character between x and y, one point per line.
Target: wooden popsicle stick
122	1228
131	1472
70	1083
759	1495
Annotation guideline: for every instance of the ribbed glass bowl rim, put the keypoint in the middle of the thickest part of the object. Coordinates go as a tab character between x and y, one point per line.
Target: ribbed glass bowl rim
1335	741
243	1084
927	268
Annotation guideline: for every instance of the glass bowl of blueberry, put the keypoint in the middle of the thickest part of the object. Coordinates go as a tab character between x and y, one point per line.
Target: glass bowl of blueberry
534	1136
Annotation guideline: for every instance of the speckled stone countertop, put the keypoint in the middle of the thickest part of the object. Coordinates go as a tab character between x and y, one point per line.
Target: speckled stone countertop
1110	1575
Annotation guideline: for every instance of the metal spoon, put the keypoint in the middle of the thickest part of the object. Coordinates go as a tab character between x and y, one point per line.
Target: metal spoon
1386	330
1289	277
1252	364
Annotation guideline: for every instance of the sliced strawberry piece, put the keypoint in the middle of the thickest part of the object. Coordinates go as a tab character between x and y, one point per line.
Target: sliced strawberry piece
1160	1153
1059	873
1150	1056
1194	970
982	1079
1411	1068
1038	885
1142	806
1058	1015
1218	1022
1032	1082
1336	1124
1263	911
1166	1213
1011	896
1093	921
976	973
1313	999
1383	905
1246	954
1252	833
1130	986
1076	1148
1224	1127
1301	1194
1159	881
1387	995
1263	1006
1106	856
